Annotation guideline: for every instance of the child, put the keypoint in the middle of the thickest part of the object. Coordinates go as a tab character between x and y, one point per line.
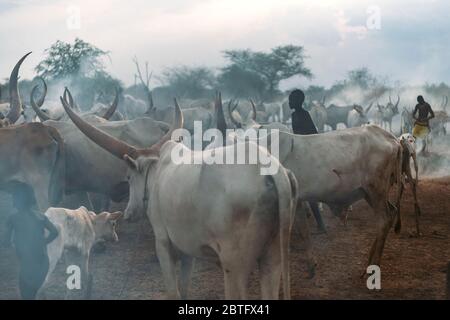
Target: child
27	227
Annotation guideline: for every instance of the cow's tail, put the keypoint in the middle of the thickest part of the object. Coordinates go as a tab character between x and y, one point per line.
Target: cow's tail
287	189
56	187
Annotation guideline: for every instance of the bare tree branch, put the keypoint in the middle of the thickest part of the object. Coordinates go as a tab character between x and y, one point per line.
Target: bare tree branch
145	83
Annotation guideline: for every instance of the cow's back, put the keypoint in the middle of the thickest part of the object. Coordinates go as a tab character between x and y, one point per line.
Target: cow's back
78	231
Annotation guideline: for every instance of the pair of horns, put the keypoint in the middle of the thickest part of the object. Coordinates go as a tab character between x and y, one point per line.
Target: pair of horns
231	108
398	100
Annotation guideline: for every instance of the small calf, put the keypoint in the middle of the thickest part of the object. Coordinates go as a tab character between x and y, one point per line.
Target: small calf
79	229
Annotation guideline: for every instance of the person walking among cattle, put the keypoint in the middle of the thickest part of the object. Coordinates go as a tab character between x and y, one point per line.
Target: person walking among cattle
27	230
421	125
303	124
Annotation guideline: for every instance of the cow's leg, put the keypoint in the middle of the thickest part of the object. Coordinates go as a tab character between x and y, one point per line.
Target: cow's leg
187	263
167	260
86	276
230	283
270	271
416	205
316	212
238	259
398	222
413	183
305	234
236	277
384	223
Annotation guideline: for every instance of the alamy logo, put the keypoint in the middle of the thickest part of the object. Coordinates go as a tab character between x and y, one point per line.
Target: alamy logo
73	21
249	146
74	279
374	19
374	279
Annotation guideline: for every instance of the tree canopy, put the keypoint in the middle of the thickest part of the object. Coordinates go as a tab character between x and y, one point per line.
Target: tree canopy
189	82
282	62
65	60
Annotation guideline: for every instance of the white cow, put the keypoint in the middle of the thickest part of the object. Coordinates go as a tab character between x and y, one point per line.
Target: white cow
357	116
230	213
344	166
252	122
79	229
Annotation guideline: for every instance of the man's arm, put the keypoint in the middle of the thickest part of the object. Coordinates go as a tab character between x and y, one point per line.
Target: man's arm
431	116
414	112
52	230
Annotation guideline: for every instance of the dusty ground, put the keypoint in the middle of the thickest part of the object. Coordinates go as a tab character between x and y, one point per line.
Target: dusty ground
412	268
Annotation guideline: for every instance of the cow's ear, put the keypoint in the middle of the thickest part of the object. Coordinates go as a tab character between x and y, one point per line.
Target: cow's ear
115	216
131	163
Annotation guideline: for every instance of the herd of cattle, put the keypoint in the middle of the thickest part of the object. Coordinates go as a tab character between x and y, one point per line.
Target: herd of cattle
230	213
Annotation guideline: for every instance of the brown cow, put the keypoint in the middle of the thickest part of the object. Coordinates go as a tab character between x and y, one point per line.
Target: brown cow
34	154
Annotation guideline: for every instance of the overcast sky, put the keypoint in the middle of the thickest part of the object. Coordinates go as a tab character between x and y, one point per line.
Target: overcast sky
408	40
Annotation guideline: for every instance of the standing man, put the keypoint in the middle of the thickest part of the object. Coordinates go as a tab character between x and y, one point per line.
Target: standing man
422	125
303	124
27	230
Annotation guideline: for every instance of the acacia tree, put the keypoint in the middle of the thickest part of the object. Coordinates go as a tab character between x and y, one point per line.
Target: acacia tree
80	66
282	62
241	83
71	60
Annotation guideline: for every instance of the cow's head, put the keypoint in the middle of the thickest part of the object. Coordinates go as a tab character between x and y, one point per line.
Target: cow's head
362	113
393	107
141	162
253	118
408	142
105	225
139	175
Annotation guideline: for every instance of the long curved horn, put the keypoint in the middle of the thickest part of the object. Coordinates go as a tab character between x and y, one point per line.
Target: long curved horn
230	112
72	102
36	105
220	117
115	146
323	99
254	110
15	104
390	101
370	106
41	100
108	114
398	100
177	124
109	143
